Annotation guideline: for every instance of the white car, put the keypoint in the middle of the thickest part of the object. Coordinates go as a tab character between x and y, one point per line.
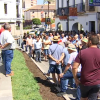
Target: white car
32	32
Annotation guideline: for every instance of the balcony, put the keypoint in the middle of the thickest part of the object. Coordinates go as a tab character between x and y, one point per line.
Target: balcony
80	7
91	8
98	16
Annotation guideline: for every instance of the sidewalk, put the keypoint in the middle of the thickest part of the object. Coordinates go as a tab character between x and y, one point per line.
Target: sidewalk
5	85
44	66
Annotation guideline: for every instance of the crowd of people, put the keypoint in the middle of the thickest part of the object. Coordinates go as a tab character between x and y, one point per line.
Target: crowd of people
74	57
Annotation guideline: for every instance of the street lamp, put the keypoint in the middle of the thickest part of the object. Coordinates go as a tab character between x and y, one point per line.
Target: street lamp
68	15
48	8
45	21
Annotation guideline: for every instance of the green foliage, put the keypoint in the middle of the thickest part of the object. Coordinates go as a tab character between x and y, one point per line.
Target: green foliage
23	19
28	27
17	28
24	85
52	21
27	32
36	21
59	27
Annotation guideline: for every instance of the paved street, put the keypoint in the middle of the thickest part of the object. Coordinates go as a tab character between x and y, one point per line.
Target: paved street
5	85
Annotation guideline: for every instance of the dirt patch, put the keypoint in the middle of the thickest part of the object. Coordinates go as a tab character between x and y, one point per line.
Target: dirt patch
47	90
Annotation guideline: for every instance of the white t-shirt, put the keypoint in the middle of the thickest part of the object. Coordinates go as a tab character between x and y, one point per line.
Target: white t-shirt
34	41
64	39
72	60
6	37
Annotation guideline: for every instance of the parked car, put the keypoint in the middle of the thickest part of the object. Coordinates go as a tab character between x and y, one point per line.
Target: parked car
32	32
41	29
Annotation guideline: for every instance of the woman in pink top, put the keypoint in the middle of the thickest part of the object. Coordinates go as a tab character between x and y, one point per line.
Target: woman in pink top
29	44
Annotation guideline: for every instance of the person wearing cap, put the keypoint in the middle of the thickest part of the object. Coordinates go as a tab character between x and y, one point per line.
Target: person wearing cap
55	54
60	42
67	73
84	43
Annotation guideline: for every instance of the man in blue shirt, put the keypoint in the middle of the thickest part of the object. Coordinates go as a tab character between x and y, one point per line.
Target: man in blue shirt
56	54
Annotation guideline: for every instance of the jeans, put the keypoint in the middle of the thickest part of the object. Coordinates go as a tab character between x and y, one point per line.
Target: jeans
22	45
78	93
55	69
38	54
30	50
64	83
46	52
7	56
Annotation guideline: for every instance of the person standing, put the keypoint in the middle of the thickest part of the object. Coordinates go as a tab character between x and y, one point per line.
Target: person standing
90	73
29	42
7	46
56	55
24	40
38	46
46	43
67	73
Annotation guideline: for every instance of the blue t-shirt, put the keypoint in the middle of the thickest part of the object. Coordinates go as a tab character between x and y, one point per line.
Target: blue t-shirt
55	53
67	55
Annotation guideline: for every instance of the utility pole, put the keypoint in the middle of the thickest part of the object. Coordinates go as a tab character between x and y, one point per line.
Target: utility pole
48	11
68	15
45	21
48	8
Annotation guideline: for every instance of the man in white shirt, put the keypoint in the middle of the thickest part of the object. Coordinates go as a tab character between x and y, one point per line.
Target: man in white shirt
63	38
7	46
38	46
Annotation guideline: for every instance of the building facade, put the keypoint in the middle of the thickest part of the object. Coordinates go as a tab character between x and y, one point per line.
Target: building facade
11	11
39	11
88	17
29	3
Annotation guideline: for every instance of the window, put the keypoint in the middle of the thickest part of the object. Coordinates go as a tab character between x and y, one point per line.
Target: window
5	8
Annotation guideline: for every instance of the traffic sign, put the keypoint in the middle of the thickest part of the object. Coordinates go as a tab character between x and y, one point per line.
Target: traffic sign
94	2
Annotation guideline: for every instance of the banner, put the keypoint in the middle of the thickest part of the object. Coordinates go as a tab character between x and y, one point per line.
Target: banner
94	2
72	13
48	20
63	12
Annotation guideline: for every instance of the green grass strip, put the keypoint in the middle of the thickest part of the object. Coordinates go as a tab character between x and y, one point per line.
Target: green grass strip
24	85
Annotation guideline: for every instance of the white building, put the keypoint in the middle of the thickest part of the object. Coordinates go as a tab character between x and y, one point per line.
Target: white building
11	11
88	17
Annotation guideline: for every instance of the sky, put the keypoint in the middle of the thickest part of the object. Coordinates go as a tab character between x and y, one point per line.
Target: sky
39	2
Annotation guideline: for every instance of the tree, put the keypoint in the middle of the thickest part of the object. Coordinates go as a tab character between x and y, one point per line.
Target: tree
36	21
52	21
48	0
